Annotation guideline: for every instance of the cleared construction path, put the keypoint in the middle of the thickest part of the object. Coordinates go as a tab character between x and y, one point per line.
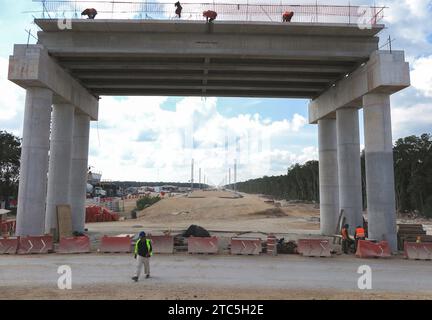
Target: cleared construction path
185	276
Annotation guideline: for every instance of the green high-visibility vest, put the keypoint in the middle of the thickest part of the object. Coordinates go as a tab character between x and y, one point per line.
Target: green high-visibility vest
148	242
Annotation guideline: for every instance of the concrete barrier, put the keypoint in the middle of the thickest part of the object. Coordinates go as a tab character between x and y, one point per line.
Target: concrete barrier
9	245
418	251
120	244
369	249
36	245
314	247
74	245
162	244
203	245
246	246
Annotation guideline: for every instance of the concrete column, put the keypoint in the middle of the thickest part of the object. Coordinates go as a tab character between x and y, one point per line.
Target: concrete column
349	168
78	171
328	176
59	163
381	204
34	162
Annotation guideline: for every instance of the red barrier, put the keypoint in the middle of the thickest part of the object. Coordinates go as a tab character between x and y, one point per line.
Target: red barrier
162	244
418	251
38	244
203	245
246	246
9	245
314	247
74	245
116	244
369	249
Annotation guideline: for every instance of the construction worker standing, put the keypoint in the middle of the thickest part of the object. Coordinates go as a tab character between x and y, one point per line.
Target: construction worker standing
347	242
360	234
143	252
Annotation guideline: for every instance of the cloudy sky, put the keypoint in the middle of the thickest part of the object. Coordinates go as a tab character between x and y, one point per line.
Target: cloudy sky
155	138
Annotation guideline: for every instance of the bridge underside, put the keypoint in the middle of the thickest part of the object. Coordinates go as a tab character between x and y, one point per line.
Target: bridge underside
192	58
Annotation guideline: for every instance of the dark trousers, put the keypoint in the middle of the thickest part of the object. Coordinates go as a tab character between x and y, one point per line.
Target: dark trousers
346	244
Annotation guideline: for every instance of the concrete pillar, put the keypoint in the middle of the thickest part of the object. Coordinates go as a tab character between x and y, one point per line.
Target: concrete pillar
328	176
78	171
349	168
34	162
381	205
59	163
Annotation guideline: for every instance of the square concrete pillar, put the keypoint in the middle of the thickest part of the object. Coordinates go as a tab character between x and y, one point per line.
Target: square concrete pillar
79	170
349	168
328	176
59	163
381	203
34	162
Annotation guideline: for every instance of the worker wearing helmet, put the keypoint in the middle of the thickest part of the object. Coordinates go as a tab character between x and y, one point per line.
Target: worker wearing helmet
347	241
360	234
287	16
143	252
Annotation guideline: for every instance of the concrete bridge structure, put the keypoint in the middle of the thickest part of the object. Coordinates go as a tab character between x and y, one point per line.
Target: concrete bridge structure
337	66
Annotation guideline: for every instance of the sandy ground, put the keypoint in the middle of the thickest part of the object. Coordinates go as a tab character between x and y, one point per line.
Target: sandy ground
219	211
213	277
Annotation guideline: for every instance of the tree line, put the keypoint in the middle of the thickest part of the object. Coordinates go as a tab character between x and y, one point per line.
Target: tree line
413	178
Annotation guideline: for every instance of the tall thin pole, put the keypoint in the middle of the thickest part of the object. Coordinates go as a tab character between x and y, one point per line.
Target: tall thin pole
192	174
229	176
235	175
200	178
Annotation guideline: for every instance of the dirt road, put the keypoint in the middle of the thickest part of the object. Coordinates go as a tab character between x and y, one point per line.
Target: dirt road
213	277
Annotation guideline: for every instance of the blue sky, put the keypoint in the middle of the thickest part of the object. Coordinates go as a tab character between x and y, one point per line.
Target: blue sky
154	138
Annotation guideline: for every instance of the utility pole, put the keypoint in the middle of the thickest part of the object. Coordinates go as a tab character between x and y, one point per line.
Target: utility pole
235	175
192	174
229	176
200	178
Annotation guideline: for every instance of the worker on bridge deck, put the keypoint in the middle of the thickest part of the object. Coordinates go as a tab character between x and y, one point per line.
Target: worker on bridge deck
143	252
90	12
287	16
347	241
210	15
179	9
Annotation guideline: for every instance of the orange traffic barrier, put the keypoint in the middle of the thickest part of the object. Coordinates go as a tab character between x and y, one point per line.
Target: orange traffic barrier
36	244
418	251
246	246
9	245
74	245
162	244
119	244
314	247
202	244
369	249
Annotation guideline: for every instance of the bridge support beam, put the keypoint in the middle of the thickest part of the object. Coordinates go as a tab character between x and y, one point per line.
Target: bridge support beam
379	168
349	169
34	162
328	175
79	167
59	163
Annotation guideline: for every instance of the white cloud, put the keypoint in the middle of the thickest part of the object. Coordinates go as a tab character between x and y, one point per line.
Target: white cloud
421	75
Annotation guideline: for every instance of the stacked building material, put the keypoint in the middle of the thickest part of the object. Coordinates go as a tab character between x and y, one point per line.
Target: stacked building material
100	214
410	233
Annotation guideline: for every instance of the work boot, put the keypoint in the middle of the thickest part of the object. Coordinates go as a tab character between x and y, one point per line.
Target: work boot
135	279
147	276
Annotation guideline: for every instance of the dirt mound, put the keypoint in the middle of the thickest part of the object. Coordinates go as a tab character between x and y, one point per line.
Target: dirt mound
270	213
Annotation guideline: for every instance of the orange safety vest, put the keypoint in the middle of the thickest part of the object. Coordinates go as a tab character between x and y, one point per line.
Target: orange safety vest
360	233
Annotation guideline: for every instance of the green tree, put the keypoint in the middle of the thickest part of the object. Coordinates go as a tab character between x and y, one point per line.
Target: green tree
10	153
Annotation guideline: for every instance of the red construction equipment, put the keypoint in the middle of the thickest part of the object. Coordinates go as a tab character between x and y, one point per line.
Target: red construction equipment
246	246
119	244
74	245
100	214
418	251
162	244
9	245
37	244
369	249
202	244
314	247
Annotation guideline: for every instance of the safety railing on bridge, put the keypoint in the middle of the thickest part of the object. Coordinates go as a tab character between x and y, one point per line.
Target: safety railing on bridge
246	10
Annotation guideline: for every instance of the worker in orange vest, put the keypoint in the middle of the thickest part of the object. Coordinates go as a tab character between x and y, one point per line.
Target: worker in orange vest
347	242
360	234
